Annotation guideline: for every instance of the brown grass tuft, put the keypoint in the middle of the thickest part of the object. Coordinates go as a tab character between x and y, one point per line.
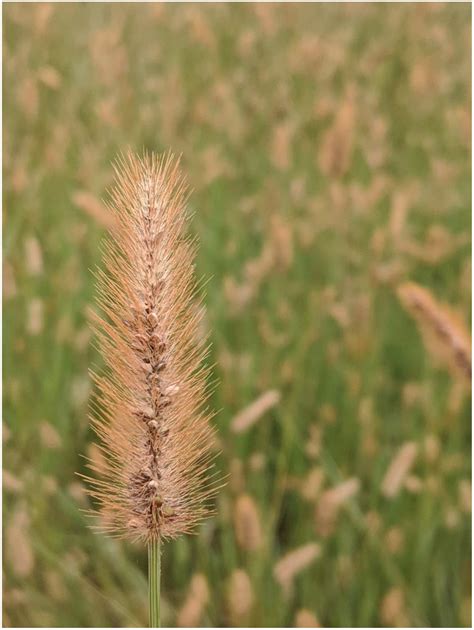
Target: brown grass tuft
444	333
156	440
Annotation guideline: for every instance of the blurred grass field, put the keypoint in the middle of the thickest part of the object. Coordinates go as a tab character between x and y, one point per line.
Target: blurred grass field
328	147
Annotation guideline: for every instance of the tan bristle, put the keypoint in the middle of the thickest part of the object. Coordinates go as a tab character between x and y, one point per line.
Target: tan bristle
248	529
156	440
444	333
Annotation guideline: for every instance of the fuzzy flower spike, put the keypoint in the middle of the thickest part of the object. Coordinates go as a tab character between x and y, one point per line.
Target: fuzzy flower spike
156	438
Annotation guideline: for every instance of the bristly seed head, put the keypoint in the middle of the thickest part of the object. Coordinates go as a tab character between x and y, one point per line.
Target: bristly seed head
155	435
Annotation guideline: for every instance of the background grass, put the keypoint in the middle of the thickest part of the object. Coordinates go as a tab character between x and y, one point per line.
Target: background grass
328	147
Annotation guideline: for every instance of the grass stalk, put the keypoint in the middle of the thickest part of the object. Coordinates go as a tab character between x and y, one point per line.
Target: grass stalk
154	573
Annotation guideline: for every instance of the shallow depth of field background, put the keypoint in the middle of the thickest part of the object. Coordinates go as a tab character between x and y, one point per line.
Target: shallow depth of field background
328	147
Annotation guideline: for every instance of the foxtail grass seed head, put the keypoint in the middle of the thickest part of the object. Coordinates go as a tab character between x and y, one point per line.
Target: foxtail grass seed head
191	613
240	595
444	333
251	414
295	561
398	469
248	528
393	610
306	619
156	439
18	550
330	503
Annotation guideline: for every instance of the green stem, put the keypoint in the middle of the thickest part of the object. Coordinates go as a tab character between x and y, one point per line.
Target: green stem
154	570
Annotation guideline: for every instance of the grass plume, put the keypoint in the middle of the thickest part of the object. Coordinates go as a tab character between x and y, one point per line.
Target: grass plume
444	333
156	437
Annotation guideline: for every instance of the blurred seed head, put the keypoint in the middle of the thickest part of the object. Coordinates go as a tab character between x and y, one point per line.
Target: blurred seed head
304	618
49	437
444	333
292	563
247	524
330	502
251	414
18	550
240	596
190	614
398	469
393	611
